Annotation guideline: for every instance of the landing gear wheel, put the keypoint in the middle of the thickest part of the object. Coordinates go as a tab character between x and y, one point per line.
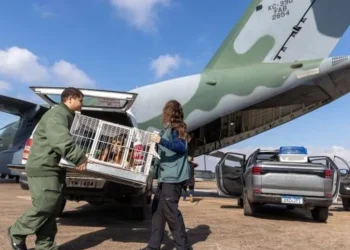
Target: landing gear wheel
17	179
320	214
249	208
346	203
3	176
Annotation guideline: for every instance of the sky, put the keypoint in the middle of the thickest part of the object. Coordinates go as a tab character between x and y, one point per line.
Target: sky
123	44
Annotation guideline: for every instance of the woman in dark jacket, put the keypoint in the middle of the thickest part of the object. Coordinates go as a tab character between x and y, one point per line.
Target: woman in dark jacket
173	172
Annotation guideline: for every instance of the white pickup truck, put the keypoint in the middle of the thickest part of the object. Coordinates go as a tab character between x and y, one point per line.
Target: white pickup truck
98	189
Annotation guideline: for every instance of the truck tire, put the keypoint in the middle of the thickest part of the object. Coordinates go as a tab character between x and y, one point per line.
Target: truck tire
320	214
249	208
346	203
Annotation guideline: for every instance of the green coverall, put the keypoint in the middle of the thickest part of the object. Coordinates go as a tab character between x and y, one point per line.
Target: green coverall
51	141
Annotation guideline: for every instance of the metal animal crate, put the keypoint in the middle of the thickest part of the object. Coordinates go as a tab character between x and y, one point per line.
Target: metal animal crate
113	150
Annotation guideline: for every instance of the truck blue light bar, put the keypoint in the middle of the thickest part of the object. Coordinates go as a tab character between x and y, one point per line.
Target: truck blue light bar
293	150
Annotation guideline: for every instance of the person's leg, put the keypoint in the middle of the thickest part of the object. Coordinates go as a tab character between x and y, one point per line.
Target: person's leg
158	220
184	192
46	195
191	192
171	195
46	234
17	232
45	238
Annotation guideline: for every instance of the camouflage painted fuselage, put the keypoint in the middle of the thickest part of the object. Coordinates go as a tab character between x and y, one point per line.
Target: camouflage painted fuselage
277	46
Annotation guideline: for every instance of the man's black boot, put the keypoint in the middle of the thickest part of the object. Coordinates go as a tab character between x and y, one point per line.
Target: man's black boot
15	246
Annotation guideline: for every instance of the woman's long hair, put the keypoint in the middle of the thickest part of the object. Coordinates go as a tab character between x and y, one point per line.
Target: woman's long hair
173	117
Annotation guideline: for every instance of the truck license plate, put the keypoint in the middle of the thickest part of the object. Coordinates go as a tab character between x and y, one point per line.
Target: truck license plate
292	200
83	183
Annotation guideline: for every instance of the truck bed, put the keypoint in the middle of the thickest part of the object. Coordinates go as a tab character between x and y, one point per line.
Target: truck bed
302	179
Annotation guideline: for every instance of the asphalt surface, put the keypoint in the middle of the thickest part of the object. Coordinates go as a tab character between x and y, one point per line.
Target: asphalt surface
212	223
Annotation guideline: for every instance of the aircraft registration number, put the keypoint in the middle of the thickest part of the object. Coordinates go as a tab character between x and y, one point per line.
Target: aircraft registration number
292	200
83	183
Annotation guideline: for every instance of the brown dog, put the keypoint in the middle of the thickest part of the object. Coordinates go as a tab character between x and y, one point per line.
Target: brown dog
114	152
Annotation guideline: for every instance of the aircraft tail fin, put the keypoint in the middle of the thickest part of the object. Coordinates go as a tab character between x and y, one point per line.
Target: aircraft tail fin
283	31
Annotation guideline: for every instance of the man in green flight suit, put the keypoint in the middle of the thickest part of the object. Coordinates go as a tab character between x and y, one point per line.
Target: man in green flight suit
51	141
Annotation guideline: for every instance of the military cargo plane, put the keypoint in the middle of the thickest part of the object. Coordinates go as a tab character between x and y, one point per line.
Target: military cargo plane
272	67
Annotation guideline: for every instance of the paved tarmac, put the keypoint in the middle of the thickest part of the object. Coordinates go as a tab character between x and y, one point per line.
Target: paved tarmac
212	222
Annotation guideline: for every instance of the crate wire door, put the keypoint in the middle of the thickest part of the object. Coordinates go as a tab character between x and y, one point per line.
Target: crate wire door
111	144
111	141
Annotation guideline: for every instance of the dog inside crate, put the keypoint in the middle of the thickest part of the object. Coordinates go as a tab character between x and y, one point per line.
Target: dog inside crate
113	148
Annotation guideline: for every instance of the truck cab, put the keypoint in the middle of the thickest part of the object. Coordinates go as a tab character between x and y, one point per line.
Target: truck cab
110	106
